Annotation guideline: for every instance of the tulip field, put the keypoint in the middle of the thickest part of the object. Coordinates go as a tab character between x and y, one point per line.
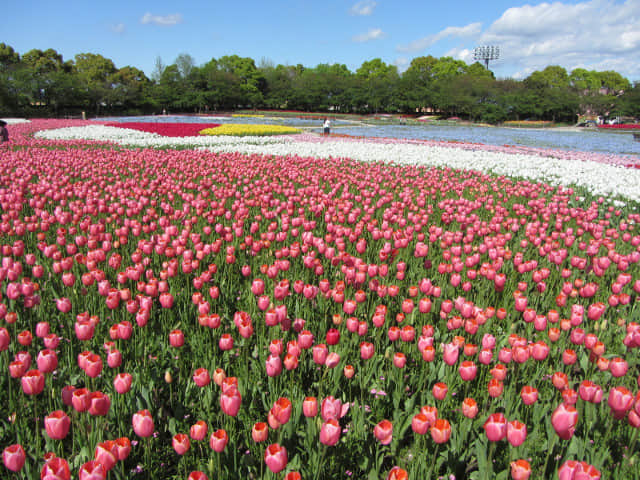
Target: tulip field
224	310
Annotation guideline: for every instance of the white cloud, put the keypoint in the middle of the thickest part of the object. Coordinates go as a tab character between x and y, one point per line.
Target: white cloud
364	8
118	28
597	34
470	30
372	34
163	21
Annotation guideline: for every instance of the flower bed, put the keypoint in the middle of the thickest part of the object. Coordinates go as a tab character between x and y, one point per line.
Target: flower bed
176	314
528	123
244	130
166	129
621	126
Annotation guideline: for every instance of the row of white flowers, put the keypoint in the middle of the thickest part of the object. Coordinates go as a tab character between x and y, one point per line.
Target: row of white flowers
599	178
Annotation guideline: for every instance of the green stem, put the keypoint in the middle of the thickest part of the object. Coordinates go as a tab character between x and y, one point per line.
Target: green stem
433	462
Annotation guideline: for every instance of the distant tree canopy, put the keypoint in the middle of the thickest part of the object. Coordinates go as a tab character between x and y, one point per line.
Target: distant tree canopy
42	83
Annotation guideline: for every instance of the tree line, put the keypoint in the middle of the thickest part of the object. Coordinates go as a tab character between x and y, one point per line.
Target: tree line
41	83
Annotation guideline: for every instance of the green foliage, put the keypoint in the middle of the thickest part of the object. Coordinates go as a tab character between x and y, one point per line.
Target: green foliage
42	83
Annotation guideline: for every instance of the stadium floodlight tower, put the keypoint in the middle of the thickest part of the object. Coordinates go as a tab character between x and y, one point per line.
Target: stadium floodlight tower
486	53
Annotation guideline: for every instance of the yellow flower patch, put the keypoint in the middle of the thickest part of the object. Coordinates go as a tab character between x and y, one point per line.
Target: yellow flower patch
241	130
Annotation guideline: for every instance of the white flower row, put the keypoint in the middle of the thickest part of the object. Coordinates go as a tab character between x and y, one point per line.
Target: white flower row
15	121
599	178
137	138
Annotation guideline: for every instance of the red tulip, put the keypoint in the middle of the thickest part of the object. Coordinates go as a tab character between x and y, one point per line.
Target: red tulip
397	473
197	475
93	365
520	470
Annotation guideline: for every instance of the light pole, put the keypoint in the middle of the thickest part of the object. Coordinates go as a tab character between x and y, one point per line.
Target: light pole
486	53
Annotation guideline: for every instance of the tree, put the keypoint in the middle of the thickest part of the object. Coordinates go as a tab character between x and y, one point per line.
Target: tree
550	88
375	86
185	64
158	68
9	58
630	101
94	72
131	90
585	81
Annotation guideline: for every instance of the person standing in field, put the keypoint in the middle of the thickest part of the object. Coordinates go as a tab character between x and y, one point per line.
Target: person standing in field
4	133
326	126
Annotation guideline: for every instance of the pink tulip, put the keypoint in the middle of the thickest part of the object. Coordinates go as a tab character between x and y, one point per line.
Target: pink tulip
275	456
14	457
92	470
106	453
516	433
495	427
142	422
383	431
55	469
564	419
57	425
310	407
330	432
122	382
32	382
181	443
230	401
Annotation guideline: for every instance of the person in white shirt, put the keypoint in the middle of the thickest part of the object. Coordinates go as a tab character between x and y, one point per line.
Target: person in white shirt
326	126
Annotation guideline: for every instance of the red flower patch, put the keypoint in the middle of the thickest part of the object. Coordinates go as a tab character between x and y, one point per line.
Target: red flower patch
166	129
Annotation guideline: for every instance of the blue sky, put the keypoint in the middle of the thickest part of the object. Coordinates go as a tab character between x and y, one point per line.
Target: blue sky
598	34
